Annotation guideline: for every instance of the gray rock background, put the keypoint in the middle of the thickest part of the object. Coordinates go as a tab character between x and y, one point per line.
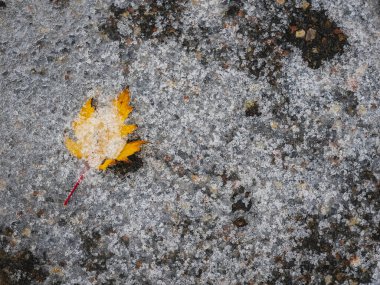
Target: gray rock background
289	195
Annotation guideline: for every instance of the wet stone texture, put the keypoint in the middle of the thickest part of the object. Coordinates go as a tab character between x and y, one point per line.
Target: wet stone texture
262	166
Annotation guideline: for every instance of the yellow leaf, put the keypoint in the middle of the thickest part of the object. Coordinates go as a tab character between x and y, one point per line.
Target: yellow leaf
106	163
88	109
85	113
122	104
101	133
73	147
129	149
127	129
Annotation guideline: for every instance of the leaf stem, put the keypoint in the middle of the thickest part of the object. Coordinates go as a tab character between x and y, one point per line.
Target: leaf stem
81	177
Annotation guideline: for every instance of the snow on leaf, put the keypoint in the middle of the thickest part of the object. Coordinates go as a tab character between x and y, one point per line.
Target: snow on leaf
101	135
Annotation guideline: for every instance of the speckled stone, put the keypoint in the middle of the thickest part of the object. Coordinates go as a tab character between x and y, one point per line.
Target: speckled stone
263	159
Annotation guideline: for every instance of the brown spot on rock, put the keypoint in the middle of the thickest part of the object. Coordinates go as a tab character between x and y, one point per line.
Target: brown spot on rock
252	109
240	222
138	264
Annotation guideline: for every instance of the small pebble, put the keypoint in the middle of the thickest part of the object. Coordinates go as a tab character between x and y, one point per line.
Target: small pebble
26	232
305	5
300	34
311	34
273	125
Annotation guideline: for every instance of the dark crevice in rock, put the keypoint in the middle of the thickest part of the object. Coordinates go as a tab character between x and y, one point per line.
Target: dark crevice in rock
318	37
21	268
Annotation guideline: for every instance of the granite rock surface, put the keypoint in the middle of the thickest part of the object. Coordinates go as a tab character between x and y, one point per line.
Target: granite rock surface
262	118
